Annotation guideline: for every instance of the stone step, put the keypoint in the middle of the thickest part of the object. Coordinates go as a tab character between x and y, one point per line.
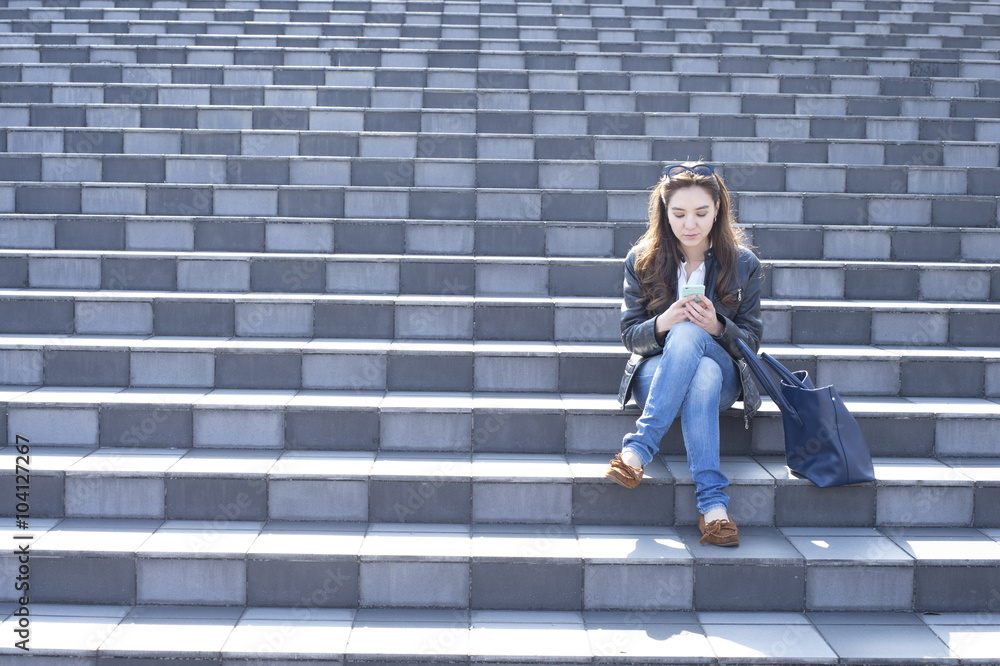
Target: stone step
501	64
643	35
471	318
481	238
449	275
546	174
434	365
391	636
484	488
29	120
507	567
171	154
517	75
307	88
491	204
264	21
399	421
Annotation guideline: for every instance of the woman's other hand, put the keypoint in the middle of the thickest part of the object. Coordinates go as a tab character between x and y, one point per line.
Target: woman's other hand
701	311
672	316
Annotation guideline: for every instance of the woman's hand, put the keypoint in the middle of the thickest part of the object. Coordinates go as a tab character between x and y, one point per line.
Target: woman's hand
701	311
673	315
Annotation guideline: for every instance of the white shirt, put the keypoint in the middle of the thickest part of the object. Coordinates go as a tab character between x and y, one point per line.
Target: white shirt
697	277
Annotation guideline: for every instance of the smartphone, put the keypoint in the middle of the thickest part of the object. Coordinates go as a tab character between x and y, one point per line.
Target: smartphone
697	289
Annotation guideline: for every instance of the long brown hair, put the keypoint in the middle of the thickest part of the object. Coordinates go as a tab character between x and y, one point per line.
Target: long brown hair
659	252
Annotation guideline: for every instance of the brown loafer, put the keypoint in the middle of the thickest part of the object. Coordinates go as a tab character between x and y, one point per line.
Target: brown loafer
622	473
719	532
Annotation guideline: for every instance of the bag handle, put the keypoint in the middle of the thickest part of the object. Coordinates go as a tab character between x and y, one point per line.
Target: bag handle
766	381
782	371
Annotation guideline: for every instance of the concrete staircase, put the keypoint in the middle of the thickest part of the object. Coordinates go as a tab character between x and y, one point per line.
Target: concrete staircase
309	320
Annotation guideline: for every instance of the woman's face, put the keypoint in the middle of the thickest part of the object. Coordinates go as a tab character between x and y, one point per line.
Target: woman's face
691	213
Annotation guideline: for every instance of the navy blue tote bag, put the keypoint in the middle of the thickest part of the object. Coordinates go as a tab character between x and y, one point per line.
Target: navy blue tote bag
823	442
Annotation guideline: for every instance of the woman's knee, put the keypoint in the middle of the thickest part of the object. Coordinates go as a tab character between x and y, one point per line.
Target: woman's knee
685	336
707	379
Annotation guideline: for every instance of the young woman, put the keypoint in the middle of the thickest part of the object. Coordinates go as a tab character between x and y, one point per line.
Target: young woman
684	356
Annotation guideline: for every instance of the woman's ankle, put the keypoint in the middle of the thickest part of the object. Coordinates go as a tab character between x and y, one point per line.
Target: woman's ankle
716	514
631	458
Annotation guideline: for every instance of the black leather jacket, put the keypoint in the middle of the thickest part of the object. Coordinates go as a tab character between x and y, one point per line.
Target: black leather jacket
743	322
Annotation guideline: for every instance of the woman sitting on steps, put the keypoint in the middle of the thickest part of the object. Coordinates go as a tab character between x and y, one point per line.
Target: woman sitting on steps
684	356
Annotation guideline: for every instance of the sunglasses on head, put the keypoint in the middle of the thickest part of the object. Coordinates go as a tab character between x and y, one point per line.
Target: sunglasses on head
672	170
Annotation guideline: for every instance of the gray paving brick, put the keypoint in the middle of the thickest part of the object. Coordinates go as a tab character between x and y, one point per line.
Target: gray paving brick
766	178
51	199
111	497
353	320
21	367
86	368
846	152
986	507
831	210
367	277
440	322
319	203
193	498
14	272
807	283
68	169
872	245
523	175
179	201
831	327
151	426
656	587
339	429
953	588
47	498
314	499
258	370
955	285
897	210
526	586
109	318
971	329
306	275
445	238
213	275
84	580
441	431
193	318
859	588
910	328
805	505
37	316
859	377
942	378
777	587
344	371
315	584
427	373
438	205
427	277
771	209
228	428
962	212
890	181
937	505
113	200
202	581
884	284
513	323
142	274
416	501
274	320
427	584
208	143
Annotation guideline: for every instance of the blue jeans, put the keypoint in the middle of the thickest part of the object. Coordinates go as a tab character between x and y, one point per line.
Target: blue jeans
696	377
